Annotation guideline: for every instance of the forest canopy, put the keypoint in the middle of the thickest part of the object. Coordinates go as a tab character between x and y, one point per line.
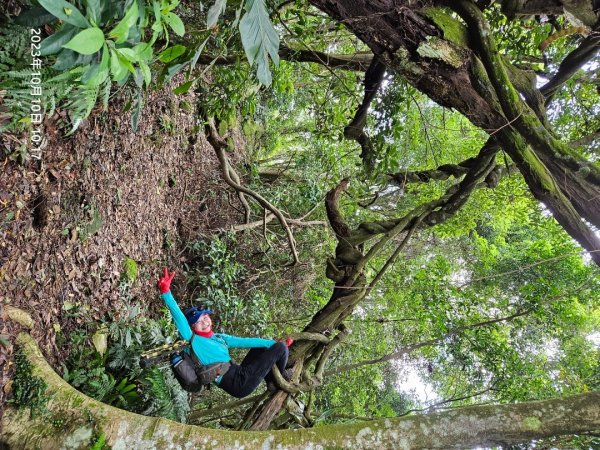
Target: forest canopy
409	189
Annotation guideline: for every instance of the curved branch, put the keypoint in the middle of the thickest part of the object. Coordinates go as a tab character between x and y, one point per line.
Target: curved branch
219	145
269	218
587	50
306	336
446	171
356	129
483	166
340	228
338	339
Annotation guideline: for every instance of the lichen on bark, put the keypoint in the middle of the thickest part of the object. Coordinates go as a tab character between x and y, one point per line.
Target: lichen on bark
85	419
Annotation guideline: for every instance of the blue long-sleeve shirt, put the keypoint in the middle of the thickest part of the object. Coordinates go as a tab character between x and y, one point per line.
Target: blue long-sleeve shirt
215	348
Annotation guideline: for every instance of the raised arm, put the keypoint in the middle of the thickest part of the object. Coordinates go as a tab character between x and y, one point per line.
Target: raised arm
164	285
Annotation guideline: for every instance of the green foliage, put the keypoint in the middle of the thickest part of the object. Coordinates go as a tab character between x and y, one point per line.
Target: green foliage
259	38
96	44
111	41
216	274
100	443
58	89
116	378
162	395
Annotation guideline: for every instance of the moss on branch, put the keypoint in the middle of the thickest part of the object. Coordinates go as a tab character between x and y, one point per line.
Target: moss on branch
84	419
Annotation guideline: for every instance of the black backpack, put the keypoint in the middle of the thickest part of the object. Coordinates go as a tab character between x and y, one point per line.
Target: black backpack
191	373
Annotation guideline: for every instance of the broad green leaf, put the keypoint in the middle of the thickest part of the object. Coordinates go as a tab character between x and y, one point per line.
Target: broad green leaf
65	60
138	78
128	53
259	39
175	23
263	73
66	12
97	73
214	12
238	14
100	340
182	89
174	70
171	53
86	42
54	44
118	66
146	72
34	17
90	74
94	9
121	31
197	54
143	51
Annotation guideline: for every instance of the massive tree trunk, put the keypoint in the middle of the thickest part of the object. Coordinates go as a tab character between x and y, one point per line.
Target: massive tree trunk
460	68
69	419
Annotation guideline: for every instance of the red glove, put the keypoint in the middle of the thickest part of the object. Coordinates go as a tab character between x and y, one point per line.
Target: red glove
288	341
164	284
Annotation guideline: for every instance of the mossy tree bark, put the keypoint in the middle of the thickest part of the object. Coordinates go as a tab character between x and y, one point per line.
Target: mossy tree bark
460	68
73	420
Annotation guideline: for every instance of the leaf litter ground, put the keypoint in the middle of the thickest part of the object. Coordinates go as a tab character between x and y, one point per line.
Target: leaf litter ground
69	221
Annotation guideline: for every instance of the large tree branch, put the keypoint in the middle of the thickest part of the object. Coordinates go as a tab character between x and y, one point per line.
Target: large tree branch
539	178
357	62
356	129
445	171
459	428
464	427
587	50
414	43
480	175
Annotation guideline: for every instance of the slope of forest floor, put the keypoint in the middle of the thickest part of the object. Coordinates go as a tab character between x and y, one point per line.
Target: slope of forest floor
105	194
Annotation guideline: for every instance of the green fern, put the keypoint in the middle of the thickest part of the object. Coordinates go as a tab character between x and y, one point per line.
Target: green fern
163	396
60	89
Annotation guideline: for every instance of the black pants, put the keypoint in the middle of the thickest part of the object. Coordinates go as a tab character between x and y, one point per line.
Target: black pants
241	380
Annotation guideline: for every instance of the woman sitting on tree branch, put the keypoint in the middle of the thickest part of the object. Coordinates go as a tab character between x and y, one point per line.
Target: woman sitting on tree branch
210	348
